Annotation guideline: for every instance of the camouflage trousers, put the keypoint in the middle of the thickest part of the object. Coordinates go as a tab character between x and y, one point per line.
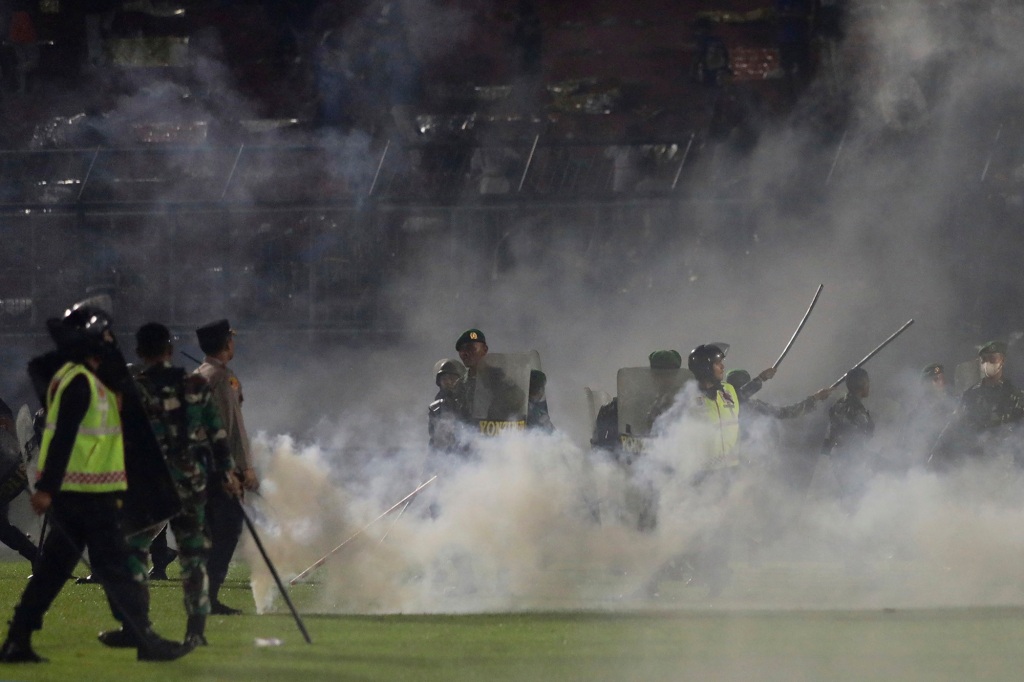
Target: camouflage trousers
193	540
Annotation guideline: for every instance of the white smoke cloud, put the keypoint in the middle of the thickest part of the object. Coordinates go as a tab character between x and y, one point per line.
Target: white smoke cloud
541	522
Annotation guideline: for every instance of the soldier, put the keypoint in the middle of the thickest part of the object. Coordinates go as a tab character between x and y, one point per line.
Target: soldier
849	423
82	485
223	512
931	408
850	428
987	413
445	414
193	440
13	481
505	395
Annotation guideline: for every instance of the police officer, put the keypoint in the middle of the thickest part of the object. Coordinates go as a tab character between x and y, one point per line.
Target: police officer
987	412
82	483
193	440
718	406
224	514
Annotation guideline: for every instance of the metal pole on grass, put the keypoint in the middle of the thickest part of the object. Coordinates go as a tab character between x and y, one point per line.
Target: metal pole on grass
320	562
273	571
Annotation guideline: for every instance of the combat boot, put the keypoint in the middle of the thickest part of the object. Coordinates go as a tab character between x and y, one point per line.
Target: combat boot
121	638
195	630
156	648
17	648
218	608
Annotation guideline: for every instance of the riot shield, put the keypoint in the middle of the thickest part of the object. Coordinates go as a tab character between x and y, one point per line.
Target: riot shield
499	391
644	394
12	467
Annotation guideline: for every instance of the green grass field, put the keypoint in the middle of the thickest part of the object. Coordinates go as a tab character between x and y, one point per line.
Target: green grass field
666	644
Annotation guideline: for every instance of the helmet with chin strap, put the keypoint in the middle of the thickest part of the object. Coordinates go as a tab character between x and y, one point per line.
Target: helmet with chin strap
702	360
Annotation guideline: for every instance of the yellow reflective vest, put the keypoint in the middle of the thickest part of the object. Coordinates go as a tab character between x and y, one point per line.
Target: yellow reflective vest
97	457
723	416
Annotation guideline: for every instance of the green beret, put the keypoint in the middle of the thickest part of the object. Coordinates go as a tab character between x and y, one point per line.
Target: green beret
738	378
469	336
665	359
993	347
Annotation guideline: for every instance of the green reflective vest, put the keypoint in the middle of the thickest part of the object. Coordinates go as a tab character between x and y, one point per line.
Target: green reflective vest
723	415
97	457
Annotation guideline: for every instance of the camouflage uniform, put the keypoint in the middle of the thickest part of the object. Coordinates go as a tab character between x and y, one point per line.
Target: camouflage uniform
189	429
849	425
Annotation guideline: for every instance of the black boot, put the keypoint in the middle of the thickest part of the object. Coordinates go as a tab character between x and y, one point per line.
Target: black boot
156	648
218	608
121	638
18	648
195	630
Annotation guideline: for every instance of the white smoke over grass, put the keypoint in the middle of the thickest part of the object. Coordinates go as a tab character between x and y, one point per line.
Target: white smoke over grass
534	523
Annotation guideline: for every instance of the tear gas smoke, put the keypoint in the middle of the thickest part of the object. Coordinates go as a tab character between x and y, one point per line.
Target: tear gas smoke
539	522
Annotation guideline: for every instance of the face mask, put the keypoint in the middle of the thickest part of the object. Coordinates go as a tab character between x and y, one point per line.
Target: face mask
991	369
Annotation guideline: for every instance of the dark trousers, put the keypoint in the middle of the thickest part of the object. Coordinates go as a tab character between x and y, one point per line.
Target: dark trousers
79	521
224	523
11	536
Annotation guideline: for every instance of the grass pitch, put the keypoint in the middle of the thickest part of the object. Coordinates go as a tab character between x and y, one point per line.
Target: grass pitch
689	644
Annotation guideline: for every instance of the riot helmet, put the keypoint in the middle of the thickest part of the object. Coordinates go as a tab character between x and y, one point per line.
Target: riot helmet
84	330
703	358
447	366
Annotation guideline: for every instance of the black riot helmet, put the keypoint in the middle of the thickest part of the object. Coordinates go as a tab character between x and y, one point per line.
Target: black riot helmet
84	330
702	359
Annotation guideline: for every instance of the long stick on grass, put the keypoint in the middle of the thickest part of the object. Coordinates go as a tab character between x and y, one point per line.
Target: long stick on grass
396	505
273	571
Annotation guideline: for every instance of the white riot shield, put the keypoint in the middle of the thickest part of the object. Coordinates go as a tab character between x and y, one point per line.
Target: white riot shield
644	394
499	392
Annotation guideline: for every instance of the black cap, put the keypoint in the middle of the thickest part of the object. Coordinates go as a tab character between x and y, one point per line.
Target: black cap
993	347
152	339
933	370
469	336
213	337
